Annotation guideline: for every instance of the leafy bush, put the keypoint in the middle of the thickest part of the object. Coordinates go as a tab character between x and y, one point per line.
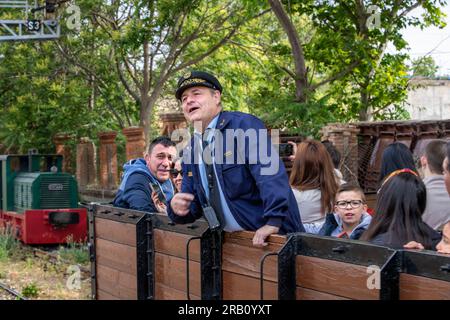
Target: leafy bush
30	291
8	244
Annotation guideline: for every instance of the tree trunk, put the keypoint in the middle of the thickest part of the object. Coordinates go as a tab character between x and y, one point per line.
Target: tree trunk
144	116
300	76
300	89
364	111
148	103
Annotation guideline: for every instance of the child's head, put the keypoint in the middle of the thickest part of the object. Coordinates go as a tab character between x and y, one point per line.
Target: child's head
350	203
444	245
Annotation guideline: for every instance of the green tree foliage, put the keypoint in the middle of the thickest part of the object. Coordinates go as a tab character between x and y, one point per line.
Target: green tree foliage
39	98
146	45
253	70
42	93
317	62
346	54
345	75
110	73
298	64
424	67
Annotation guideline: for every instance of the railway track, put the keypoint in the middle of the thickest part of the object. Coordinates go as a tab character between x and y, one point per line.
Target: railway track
10	292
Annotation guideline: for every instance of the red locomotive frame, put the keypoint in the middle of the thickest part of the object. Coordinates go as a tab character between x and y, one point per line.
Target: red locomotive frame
36	226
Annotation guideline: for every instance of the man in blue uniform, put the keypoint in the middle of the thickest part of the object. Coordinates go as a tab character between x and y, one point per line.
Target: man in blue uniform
135	191
243	179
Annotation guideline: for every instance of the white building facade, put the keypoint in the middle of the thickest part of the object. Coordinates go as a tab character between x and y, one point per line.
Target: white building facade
429	99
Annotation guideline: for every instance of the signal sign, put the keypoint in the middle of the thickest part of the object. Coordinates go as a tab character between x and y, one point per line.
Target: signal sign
33	25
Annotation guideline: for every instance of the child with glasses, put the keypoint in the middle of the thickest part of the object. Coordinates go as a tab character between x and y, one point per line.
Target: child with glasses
350	218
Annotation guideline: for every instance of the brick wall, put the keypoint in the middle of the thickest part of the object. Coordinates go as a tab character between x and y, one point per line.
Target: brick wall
108	160
86	163
135	142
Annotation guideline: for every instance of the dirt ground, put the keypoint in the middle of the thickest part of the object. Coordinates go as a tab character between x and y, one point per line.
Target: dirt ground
38	278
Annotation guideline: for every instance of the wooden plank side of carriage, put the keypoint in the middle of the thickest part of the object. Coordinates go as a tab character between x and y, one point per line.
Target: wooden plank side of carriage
422	288
336	269
425	276
323	279
241	267
116	260
170	266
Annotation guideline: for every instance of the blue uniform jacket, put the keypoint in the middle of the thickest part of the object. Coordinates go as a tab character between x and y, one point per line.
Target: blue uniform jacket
254	199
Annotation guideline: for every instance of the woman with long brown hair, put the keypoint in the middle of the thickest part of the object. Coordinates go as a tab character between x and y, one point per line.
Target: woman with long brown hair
313	181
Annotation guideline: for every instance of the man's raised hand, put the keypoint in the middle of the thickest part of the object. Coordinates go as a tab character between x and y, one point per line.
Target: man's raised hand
180	203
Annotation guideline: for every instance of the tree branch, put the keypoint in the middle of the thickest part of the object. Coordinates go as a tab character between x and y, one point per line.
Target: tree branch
337	76
146	84
135	96
130	72
207	53
411	8
289	72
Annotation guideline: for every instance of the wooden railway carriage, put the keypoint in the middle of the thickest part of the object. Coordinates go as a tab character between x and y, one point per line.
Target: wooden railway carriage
135	255
38	201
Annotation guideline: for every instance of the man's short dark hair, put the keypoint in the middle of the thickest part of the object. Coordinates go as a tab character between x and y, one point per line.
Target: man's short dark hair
165	141
351	187
334	153
435	154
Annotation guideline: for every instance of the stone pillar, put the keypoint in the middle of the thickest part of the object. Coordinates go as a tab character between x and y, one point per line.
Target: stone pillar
108	160
344	138
135	145
60	140
86	163
171	122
